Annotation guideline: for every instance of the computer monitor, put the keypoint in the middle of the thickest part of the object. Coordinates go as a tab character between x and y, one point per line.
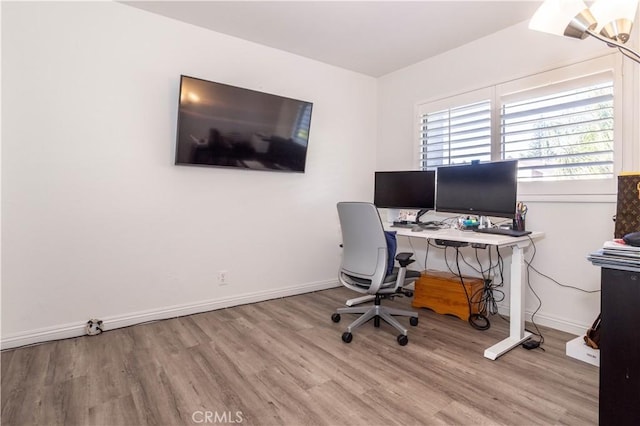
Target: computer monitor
413	189
483	189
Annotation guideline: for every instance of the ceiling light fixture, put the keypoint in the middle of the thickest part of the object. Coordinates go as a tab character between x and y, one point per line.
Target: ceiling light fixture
609	21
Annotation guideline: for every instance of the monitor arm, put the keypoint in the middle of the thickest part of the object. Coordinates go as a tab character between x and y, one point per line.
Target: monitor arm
420	213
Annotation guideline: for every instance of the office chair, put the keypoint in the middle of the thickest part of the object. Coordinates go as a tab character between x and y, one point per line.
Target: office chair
365	263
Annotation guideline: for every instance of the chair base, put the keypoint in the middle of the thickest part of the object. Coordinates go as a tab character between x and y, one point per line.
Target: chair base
359	300
377	311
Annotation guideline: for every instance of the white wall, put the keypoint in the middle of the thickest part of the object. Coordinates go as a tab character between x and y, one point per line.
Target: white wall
97	221
572	229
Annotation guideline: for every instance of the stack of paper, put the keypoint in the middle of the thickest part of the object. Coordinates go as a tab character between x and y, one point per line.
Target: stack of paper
616	252
619	248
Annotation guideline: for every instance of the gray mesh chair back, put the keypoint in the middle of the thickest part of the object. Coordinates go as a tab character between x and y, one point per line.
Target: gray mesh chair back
365	251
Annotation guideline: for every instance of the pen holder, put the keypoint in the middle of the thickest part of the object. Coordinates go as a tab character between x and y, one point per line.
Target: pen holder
518	223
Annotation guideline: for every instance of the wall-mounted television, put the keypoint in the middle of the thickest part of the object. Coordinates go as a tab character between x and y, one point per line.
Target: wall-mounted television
485	189
227	126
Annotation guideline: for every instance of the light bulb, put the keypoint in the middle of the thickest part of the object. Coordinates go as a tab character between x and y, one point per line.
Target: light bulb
615	18
563	17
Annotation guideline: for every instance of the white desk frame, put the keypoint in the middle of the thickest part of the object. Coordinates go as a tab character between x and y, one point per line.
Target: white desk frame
517	333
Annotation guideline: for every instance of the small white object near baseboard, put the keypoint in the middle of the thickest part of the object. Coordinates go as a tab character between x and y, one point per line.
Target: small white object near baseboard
577	349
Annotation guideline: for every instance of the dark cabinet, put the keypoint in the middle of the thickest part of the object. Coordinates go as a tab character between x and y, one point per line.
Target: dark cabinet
620	348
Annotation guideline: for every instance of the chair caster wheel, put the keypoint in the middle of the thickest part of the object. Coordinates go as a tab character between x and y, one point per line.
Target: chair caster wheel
413	321
402	339
335	317
408	293
347	337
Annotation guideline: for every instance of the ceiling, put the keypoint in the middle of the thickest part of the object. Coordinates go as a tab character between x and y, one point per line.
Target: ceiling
369	37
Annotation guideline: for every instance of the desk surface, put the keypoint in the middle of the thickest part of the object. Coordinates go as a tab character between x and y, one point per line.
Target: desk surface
466	236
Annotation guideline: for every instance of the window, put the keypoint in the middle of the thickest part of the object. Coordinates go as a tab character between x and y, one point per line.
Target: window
300	132
565	135
559	125
456	135
456	130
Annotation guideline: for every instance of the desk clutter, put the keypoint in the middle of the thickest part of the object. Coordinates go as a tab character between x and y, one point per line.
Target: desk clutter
443	293
521	215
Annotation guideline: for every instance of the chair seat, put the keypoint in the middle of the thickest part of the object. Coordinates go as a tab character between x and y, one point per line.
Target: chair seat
389	280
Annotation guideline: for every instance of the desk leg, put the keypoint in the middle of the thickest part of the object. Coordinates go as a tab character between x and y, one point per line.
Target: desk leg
517	334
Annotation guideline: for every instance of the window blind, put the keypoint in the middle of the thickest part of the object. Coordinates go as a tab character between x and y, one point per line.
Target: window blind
455	135
303	121
561	136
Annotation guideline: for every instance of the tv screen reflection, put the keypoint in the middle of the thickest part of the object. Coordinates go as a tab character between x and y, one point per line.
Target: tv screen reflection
227	126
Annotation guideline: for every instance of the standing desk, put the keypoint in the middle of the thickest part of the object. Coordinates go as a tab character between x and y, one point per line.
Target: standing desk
517	333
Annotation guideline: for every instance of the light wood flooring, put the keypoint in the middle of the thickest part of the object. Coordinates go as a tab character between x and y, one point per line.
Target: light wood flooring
282	362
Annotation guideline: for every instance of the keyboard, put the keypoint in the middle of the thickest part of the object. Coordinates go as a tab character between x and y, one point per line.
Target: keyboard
502	231
427	226
403	225
431	223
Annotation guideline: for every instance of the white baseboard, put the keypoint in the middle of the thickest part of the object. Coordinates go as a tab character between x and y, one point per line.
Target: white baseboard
560	324
556	323
65	331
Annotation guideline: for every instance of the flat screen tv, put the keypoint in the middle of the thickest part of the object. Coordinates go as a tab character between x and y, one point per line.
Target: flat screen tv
414	189
227	126
483	189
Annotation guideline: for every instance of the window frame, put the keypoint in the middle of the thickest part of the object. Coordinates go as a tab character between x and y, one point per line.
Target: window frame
587	190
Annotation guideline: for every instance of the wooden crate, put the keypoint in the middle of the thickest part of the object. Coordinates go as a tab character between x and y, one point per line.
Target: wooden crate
442	292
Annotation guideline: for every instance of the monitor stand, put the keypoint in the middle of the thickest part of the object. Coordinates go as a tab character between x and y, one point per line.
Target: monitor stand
393	216
420	213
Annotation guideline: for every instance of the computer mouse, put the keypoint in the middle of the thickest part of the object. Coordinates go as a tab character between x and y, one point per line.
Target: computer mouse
416	229
633	239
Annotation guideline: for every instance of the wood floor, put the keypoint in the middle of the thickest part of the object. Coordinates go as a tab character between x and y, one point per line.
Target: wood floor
282	362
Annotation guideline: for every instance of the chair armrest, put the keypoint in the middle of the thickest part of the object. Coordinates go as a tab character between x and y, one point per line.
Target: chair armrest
404	259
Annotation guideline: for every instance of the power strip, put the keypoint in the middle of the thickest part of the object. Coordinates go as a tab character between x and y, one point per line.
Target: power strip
449	243
531	344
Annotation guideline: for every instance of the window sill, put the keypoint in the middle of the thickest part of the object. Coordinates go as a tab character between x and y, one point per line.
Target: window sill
568	198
